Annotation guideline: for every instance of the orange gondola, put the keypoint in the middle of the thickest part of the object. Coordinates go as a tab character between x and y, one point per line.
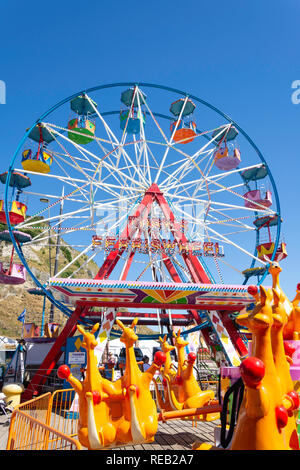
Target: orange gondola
183	129
184	133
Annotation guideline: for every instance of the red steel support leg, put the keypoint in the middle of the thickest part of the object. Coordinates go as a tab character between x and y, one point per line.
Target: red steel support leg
199	276
128	263
53	356
173	273
127	266
197	271
193	264
234	335
114	256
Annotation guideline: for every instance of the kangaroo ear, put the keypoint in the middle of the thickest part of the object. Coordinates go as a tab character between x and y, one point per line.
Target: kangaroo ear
165	338
276	297
178	333
95	328
134	322
120	324
263	295
243	319
81	329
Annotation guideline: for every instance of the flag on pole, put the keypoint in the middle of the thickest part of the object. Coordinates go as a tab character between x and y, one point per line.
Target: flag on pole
21	317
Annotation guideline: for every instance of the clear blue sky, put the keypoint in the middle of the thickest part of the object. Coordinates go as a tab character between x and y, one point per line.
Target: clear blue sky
240	56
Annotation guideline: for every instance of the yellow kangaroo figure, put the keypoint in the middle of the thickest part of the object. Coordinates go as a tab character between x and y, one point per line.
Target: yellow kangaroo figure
290	397
168	370
262	415
99	418
275	270
139	408
292	328
190	394
114	413
264	422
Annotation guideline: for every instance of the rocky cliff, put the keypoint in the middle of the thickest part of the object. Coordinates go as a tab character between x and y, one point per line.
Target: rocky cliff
13	299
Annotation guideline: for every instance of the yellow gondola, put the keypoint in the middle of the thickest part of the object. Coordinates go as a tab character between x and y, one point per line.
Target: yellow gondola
40	163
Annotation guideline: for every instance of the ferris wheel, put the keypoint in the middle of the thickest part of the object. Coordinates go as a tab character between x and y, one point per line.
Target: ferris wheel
157	172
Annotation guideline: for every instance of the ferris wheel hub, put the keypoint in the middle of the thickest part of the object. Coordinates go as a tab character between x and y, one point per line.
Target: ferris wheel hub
154	189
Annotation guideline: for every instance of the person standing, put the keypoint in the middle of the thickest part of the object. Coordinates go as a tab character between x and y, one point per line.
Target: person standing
146	364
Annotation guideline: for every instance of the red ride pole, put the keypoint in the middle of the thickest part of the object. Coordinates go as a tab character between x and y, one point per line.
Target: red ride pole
48	364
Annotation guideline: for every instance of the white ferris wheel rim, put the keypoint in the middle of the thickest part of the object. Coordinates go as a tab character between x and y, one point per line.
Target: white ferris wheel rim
134	178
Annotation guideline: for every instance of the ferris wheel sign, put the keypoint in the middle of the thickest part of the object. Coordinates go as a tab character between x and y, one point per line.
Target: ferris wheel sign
157	245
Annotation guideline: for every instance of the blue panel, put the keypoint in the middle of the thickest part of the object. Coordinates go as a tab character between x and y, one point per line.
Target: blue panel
254	174
35	134
75	358
176	107
17	180
127	95
81	105
228	134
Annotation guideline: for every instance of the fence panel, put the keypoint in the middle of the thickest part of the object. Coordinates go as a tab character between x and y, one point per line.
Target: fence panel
28	433
37	408
60	415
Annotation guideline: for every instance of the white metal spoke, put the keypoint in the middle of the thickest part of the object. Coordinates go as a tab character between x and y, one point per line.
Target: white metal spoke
63	231
170	142
222	204
192	158
226	219
73	260
121	144
88	260
61	217
102	160
65	180
230	242
144	146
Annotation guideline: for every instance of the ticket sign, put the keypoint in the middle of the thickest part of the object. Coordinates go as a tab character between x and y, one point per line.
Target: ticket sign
77	357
